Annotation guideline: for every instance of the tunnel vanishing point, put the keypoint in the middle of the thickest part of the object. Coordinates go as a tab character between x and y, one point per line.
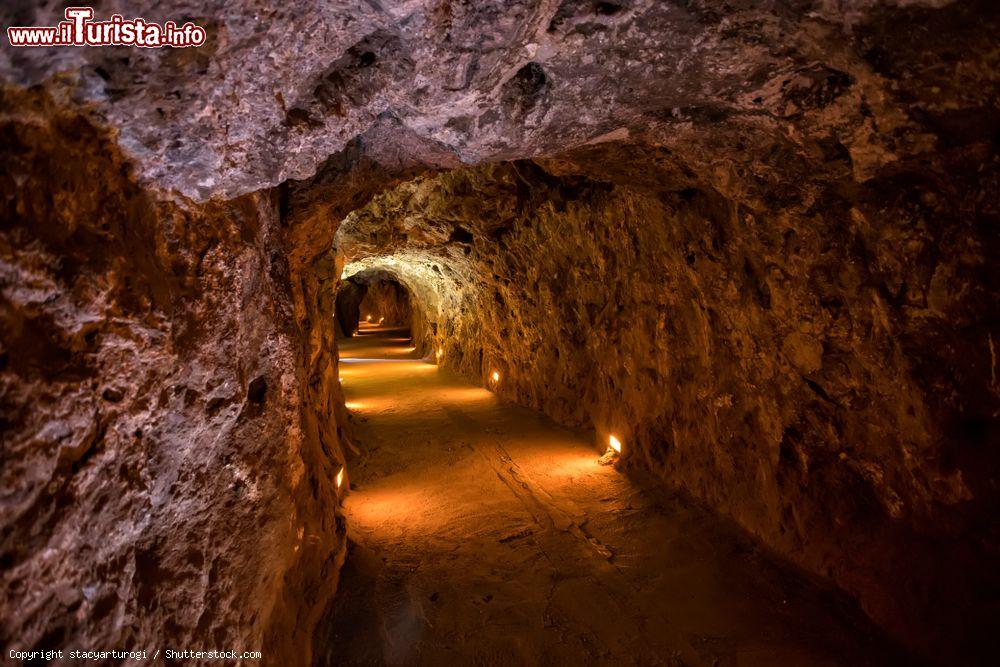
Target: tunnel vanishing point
504	332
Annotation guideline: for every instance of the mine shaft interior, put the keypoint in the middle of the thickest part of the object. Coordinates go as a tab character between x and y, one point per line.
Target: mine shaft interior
481	528
501	333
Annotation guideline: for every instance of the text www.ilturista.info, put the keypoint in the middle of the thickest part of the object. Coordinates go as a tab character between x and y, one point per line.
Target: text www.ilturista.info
80	30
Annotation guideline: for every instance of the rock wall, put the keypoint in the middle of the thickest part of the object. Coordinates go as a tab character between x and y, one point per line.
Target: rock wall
795	201
388	302
161	486
788	370
380	294
347	308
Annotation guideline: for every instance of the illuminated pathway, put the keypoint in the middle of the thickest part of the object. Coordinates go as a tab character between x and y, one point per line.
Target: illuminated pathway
484	534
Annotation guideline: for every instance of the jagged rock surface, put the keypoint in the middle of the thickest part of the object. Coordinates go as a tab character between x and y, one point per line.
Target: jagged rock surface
388	303
161	486
797	203
763	362
743	89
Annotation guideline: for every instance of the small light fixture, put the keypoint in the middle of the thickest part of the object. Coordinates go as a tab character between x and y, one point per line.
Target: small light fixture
381	320
440	353
496	376
340	476
613	453
368	318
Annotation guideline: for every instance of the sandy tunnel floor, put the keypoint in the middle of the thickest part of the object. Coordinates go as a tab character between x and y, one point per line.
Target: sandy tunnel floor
481	533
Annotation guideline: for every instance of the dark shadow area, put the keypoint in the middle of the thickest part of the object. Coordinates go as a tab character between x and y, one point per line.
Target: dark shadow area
469	513
373	297
348	307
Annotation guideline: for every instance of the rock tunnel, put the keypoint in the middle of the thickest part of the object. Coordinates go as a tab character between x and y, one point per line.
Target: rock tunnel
516	333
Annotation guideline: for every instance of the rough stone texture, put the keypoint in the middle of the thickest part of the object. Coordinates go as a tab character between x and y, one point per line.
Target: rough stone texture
347	309
276	90
798	201
500	540
160	484
377	296
765	363
387	302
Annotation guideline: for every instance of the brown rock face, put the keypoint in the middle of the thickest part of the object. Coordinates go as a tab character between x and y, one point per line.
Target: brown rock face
757	241
376	297
160	484
388	303
756	362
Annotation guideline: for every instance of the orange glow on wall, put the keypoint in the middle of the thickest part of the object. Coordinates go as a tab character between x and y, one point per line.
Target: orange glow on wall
340	477
615	444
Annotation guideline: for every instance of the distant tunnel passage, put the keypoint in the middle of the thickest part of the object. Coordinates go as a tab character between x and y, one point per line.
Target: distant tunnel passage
467	512
387	303
377	298
748	248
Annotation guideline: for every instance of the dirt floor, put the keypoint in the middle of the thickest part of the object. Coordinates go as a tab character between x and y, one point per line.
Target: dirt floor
481	533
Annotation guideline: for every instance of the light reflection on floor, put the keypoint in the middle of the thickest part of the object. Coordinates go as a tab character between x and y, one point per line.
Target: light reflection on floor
482	529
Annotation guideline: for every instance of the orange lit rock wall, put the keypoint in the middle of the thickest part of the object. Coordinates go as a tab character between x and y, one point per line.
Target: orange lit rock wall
388	302
758	240
164	482
798	371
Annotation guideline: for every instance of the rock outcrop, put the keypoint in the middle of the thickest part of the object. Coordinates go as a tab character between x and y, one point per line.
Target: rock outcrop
763	235
163	481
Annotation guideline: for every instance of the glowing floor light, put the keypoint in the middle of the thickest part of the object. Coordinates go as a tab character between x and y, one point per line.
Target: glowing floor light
615	444
340	477
381	320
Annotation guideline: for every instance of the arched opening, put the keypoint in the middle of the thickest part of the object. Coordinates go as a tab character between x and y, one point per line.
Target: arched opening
370	294
702	356
387	303
375	298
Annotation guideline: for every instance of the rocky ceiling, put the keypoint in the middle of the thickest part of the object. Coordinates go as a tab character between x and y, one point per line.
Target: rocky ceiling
766	229
278	89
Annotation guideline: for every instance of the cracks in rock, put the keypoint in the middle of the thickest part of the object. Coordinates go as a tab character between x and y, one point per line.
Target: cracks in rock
487	526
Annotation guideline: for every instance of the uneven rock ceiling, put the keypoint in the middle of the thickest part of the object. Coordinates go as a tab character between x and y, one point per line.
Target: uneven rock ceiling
759	237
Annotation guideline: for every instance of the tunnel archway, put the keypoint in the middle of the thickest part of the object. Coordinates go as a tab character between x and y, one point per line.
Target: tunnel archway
754	242
563	278
376	296
384	288
388	303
